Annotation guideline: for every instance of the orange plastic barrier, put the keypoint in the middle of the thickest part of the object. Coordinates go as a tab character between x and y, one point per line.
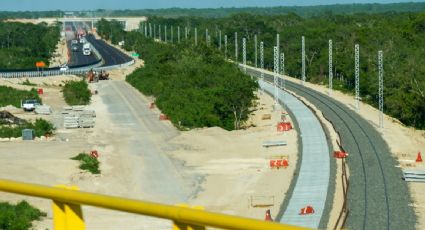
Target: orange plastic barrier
163	117
279	163
307	210
268	216
94	153
40	91
284	126
340	154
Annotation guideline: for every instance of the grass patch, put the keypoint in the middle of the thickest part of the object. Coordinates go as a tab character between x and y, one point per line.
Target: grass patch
76	93
12	96
19	216
40	126
88	163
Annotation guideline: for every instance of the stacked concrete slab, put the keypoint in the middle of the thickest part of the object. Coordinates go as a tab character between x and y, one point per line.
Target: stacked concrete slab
78	117
43	109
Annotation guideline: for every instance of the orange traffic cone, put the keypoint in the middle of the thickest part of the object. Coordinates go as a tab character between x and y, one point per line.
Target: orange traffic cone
268	216
419	157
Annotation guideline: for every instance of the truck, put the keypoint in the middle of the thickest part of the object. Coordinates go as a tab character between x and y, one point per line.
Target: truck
29	104
87	49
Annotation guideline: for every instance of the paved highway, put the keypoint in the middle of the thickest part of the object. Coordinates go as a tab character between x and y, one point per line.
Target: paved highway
110	55
378	198
77	57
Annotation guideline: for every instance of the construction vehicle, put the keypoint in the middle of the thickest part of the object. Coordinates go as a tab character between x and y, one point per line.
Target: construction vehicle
94	76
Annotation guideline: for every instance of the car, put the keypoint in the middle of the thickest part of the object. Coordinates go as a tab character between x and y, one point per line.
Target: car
74	48
63	67
74	42
29	104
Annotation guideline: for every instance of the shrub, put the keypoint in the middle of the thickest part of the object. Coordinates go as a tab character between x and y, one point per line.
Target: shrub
12	96
40	126
88	163
76	93
19	216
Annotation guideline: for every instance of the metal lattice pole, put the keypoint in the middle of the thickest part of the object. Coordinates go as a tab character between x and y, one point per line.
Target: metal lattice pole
172	34
282	68
225	46
185	33
146	30
381	88
357	73
196	36
278	42
178	34
159	37
303	59
255	49
244	53
150	30
276	72
154	31
330	68
236	47
262	61
219	40
165	33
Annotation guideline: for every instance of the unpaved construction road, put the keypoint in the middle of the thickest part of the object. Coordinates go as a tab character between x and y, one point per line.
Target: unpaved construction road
141	133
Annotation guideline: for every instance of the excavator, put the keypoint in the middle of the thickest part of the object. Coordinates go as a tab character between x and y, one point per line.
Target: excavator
93	76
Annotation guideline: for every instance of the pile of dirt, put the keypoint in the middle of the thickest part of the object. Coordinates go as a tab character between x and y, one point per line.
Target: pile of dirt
7	118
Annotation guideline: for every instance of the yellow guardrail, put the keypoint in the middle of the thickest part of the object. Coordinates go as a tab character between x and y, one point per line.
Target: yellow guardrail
68	215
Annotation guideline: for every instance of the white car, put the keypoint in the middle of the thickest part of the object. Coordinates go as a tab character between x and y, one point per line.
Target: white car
29	104
63	67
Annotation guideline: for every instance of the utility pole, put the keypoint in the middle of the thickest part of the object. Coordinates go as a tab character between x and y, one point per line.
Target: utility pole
178	34
282	68
185	33
196	36
154	31
219	40
303	59
225	46
330	68
172	34
262	61
278	43
255	56
357	73
146	30
165	33
160	37
276	72
150	30
381	88
244	53
236	47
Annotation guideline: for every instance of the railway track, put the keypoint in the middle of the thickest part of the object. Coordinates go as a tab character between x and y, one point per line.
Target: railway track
377	198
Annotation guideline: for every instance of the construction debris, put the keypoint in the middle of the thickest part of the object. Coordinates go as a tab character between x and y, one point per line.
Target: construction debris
78	117
43	109
7	118
414	175
274	143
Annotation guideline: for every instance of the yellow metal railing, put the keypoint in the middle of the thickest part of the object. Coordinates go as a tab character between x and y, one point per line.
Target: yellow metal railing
68	215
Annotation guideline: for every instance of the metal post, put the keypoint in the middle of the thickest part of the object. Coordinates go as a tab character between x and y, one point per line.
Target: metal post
196	36
225	46
276	72
262	61
236	47
219	40
172	34
357	73
165	33
303	59
381	88
159	30
244	53
178	34
150	30
330	67
255	56
282	68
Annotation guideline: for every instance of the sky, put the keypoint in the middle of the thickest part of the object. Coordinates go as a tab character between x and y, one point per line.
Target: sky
39	5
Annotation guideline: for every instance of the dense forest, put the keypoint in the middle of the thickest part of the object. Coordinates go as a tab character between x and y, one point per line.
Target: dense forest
23	44
399	35
190	83
303	11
